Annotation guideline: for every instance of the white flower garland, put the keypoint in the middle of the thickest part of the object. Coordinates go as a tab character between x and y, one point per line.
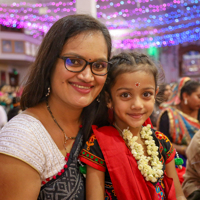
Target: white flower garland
153	172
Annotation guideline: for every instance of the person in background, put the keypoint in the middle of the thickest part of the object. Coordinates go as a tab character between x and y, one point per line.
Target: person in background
163	95
127	160
191	184
179	120
3	116
61	99
15	110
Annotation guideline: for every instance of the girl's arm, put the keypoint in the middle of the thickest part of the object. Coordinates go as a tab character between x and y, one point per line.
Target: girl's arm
95	184
171	172
19	181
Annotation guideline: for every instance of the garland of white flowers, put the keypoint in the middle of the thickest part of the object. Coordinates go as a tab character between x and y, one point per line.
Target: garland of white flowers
153	172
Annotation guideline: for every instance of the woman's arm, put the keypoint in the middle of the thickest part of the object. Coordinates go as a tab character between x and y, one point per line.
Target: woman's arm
19	181
171	172
95	184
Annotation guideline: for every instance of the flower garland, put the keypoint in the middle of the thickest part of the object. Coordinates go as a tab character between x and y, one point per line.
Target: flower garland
150	172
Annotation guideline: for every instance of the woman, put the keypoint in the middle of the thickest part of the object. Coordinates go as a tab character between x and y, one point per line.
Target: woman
39	147
179	121
163	95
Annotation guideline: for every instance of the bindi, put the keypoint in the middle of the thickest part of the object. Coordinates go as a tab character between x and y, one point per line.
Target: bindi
137	84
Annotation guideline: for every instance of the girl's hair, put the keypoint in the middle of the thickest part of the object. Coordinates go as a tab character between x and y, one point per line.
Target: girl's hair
160	95
38	80
128	63
189	87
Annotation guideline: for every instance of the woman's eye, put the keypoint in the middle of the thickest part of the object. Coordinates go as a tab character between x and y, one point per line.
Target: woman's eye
72	61
125	95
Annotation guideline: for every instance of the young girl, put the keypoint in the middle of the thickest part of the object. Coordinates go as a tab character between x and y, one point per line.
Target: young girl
127	161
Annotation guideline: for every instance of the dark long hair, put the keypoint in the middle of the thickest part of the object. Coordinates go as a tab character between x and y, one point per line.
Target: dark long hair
39	76
189	87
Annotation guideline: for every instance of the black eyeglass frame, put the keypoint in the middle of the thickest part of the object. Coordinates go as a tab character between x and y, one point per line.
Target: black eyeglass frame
64	58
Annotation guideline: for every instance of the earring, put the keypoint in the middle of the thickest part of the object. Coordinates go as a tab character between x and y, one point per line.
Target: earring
185	101
98	98
48	92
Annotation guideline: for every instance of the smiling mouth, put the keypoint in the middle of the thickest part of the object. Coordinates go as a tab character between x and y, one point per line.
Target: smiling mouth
81	86
136	115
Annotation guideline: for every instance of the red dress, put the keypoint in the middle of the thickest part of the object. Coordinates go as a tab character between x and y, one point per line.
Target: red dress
122	167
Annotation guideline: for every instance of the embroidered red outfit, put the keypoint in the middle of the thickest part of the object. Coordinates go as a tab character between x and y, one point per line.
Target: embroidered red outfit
123	179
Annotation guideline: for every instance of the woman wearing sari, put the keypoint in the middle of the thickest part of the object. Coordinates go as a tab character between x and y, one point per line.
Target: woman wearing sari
180	117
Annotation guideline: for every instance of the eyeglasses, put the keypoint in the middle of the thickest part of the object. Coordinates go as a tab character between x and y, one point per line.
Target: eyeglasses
74	64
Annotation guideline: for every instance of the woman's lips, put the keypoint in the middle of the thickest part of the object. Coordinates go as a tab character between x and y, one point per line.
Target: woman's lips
82	88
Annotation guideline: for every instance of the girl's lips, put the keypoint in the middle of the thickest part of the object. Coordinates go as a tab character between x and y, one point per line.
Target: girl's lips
82	88
136	116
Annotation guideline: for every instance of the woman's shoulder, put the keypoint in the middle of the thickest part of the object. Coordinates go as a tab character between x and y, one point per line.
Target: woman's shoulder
23	121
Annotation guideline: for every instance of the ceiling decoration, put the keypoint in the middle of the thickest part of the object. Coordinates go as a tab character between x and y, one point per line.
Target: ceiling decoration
133	24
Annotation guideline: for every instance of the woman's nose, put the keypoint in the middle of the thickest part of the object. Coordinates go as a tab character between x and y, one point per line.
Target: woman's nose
86	75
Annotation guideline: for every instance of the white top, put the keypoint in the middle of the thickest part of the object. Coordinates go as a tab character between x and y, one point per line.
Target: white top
24	137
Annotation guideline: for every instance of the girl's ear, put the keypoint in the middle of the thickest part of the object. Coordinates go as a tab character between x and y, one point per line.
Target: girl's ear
157	90
108	101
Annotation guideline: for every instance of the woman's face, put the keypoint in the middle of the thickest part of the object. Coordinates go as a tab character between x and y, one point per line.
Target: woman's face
194	100
78	90
167	92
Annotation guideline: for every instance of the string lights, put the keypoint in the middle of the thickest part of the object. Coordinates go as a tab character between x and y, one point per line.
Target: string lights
149	23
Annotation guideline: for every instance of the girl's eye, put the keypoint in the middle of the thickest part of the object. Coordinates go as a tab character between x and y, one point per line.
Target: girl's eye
125	95
147	94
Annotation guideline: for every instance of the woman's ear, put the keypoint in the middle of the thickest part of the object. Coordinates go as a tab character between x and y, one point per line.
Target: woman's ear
108	101
184	95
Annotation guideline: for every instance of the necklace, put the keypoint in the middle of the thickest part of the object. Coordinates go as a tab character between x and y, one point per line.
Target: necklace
150	172
65	136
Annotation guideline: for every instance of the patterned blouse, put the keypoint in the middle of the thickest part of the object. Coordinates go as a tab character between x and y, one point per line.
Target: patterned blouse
91	155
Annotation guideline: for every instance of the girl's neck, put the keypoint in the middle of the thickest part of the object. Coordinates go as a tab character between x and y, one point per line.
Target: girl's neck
134	131
185	109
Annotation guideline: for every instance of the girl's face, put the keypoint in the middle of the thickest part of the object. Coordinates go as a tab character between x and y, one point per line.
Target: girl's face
133	98
78	90
194	100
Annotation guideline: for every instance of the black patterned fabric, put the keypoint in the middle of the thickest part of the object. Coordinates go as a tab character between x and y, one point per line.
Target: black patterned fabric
71	184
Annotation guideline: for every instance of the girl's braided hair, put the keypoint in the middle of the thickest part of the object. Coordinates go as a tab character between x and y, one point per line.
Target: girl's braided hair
128	63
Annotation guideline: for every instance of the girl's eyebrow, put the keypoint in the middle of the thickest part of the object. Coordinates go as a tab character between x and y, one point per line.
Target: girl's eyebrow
147	88
124	89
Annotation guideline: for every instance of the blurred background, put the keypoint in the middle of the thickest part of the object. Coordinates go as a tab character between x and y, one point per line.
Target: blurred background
166	30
